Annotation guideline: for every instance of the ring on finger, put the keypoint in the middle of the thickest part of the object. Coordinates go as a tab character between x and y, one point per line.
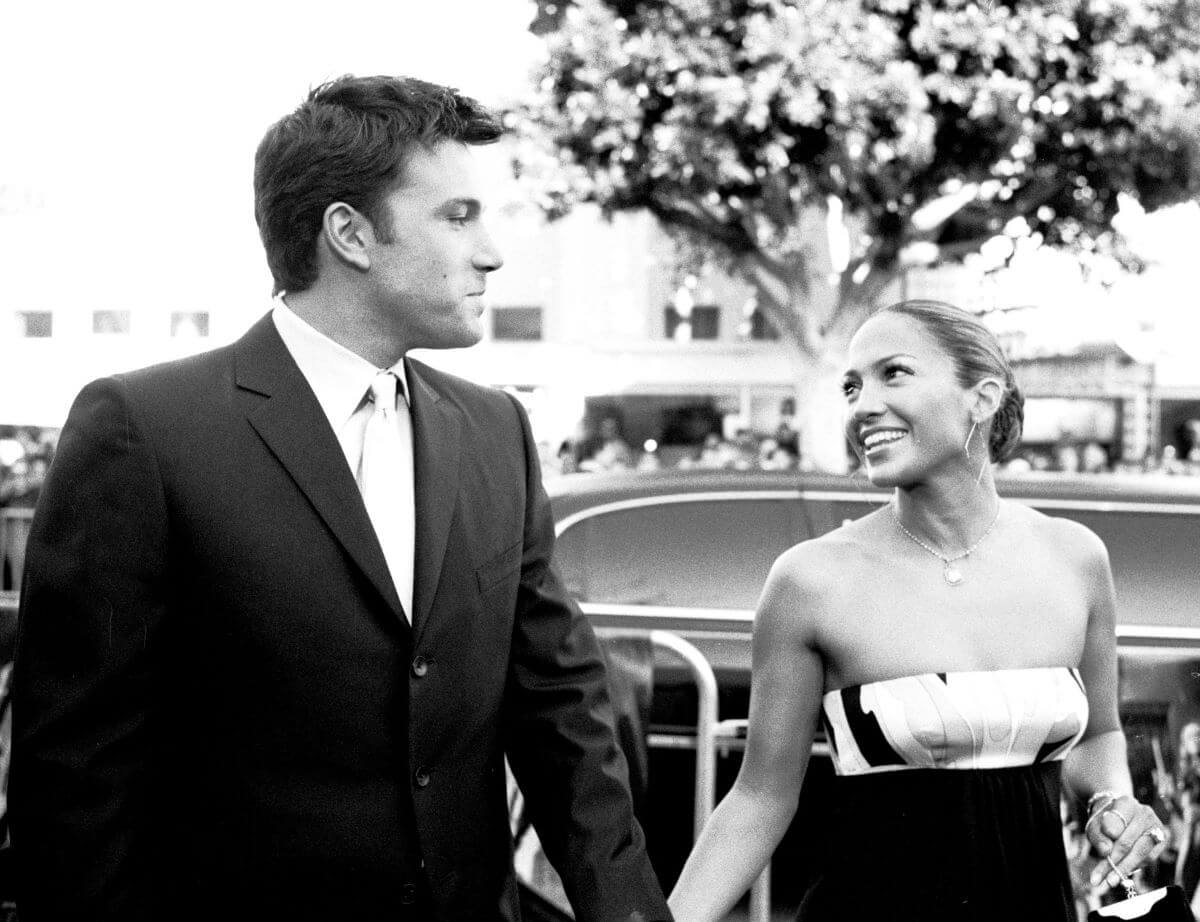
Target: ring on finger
1119	814
1157	834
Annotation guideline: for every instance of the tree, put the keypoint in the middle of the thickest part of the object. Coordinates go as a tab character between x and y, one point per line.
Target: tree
925	128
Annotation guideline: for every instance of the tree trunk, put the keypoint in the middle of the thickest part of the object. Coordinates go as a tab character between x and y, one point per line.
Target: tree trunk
817	311
820	412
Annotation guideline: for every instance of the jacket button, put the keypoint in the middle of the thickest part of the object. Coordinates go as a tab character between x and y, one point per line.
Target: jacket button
422	777
420	666
408	894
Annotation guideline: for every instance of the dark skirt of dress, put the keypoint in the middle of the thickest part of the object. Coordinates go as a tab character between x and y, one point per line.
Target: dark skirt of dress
968	845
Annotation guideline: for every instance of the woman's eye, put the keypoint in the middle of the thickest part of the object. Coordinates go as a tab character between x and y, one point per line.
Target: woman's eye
894	371
849	388
459	219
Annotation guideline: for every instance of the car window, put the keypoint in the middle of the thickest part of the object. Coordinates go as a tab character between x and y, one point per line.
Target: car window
825	513
697	554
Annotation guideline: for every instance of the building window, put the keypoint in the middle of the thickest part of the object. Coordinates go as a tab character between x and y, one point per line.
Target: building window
110	322
189	324
761	327
703	321
35	324
706	321
522	324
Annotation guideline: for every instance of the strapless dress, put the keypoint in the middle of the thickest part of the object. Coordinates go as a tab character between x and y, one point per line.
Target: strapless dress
947	798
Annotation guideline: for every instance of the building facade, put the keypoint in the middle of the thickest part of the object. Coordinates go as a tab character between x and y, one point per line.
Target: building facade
588	318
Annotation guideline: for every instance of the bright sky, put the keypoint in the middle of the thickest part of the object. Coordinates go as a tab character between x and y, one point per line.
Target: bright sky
130	125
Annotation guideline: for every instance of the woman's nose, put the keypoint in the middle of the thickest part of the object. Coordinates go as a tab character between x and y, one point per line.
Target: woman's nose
868	403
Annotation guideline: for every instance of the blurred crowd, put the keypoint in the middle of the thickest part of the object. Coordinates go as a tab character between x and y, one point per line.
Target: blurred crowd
607	449
744	452
26	452
25	456
1090	457
1179	797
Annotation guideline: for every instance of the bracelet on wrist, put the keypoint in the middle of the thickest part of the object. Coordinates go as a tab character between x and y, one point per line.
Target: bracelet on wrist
1107	797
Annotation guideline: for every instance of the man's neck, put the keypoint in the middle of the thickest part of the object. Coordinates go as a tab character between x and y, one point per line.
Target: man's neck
337	315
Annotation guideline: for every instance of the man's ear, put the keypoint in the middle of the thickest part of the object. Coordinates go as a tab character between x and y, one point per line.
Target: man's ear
989	395
347	235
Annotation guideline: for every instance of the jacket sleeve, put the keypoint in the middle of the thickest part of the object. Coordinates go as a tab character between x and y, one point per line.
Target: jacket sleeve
89	621
561	743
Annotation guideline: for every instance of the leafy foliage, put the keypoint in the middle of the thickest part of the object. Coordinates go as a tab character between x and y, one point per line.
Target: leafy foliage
938	124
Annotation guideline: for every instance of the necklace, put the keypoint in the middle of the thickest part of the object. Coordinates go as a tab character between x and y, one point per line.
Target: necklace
950	573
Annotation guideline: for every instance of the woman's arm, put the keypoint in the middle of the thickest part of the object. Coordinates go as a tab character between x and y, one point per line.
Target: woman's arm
1120	828
785	699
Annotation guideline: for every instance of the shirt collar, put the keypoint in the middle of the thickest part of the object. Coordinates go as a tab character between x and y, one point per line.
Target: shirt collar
339	378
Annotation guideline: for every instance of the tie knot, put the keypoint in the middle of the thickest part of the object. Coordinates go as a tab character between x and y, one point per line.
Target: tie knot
383	390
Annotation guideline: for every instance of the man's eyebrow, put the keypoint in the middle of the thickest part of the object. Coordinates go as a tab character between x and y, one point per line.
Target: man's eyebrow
472	205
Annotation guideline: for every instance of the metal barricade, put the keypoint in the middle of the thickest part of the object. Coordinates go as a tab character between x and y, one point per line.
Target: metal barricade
706	715
709	735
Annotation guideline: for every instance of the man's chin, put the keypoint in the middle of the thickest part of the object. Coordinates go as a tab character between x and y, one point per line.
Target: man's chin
470	336
458	338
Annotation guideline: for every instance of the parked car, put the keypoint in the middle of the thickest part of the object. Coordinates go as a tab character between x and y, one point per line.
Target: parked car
705	539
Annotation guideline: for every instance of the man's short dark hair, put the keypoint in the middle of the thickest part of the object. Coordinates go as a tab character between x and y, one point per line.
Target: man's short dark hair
348	142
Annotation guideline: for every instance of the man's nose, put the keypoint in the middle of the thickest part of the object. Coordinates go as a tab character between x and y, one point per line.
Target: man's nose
487	255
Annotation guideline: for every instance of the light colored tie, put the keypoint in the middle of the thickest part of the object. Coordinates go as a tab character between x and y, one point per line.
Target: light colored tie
387	483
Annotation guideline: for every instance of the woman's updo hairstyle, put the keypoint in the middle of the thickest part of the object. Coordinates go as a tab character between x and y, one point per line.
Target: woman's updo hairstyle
976	355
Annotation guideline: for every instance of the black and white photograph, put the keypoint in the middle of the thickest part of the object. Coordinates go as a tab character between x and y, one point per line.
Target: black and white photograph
601	460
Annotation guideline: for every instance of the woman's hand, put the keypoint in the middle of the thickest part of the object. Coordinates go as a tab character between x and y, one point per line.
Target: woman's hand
1125	833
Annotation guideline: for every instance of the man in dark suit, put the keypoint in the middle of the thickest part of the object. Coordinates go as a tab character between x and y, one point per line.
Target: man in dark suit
246	685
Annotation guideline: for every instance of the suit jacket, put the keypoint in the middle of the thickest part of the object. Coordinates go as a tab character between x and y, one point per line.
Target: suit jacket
220	707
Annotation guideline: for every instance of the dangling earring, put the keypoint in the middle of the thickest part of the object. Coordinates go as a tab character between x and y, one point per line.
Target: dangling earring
967	451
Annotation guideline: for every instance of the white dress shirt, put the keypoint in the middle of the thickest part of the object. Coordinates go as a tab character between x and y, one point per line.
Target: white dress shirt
341	380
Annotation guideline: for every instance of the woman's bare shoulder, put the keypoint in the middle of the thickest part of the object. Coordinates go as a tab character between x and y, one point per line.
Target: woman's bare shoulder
805	594
1074	540
814	567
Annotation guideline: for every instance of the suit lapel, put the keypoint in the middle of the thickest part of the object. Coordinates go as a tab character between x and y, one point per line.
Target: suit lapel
296	431
437	431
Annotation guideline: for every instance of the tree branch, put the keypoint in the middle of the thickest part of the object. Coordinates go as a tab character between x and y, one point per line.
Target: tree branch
693	217
759	270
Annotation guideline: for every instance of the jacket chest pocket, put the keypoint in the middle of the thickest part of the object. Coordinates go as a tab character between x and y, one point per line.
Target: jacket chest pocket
501	569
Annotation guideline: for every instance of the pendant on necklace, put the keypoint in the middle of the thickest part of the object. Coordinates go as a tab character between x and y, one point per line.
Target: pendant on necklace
952	575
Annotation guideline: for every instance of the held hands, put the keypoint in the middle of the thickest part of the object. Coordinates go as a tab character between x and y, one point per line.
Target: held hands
1125	833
